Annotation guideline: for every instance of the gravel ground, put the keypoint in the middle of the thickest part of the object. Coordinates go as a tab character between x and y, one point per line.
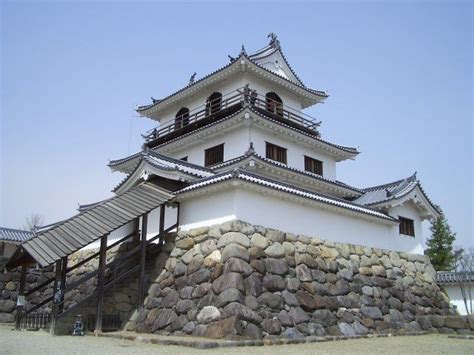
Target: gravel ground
13	342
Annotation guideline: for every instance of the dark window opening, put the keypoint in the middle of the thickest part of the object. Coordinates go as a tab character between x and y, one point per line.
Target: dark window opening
181	118
214	155
213	103
275	152
407	226
184	159
274	103
313	165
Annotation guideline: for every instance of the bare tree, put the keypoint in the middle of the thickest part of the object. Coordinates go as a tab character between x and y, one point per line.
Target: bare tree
33	221
465	267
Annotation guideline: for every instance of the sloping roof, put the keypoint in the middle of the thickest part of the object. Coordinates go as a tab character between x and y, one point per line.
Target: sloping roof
252	154
253	59
382	193
444	277
14	236
86	227
168	164
264	181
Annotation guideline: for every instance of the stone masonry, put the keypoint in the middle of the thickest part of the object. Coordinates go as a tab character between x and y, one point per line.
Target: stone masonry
237	280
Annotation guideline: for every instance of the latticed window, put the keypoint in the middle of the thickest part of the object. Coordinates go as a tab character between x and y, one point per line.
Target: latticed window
313	165
275	152
407	226
214	155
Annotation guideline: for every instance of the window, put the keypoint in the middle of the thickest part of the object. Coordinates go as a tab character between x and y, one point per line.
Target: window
184	158
275	152
313	165
214	155
407	227
213	103
274	103
181	118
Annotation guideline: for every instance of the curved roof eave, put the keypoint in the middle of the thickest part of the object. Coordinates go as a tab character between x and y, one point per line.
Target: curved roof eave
142	110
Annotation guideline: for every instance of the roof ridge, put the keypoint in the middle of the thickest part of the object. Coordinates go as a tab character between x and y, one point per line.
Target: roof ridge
378	187
16	230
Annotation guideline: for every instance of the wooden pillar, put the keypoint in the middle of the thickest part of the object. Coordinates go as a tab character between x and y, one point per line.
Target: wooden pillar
100	284
21	304
136	230
54	305
63	282
141	279
162	223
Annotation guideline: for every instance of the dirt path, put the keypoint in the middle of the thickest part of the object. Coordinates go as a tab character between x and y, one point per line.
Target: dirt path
39	343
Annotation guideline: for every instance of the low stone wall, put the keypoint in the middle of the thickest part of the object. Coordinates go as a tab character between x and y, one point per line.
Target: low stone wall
236	279
121	300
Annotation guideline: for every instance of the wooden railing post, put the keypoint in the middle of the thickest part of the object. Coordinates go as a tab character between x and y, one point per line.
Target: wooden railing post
141	279
54	304
100	284
21	304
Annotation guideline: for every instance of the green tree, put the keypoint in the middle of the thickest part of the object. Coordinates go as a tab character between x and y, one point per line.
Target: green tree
440	246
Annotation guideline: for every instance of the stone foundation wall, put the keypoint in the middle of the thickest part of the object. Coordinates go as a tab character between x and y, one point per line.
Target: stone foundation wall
236	279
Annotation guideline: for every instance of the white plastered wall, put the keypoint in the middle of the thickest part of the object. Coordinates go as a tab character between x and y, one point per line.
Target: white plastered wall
456	298
295	151
293	217
407	210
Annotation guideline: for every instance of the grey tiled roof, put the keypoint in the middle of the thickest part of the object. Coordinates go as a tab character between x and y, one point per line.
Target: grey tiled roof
14	235
252	58
444	277
378	194
264	181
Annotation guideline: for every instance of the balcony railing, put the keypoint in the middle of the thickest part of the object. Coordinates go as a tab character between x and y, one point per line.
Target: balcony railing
231	102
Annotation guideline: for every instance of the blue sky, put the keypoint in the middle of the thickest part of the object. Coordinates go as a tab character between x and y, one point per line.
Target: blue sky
399	75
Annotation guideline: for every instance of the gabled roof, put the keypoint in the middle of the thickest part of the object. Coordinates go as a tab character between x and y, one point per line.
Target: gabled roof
380	195
252	59
15	236
252	178
162	165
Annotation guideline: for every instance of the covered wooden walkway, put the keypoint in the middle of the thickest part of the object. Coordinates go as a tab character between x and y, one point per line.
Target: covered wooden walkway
53	247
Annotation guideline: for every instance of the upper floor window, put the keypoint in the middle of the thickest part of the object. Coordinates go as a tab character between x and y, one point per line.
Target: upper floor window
213	103
313	165
181	118
214	155
407	226
275	152
274	103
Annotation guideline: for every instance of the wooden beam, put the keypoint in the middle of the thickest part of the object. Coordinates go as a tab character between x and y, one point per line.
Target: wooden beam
21	296
162	223
136	230
63	282
141	279
100	284
54	305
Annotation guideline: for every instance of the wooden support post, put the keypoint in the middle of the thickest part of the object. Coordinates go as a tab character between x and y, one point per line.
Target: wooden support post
136	230
54	305
63	282
162	223
100	284
141	279
20	305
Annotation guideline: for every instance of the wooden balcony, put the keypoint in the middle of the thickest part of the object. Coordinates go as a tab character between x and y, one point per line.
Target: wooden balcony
227	105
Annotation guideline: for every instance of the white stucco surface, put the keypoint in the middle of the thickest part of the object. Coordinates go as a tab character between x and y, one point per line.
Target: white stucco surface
292	216
456	298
